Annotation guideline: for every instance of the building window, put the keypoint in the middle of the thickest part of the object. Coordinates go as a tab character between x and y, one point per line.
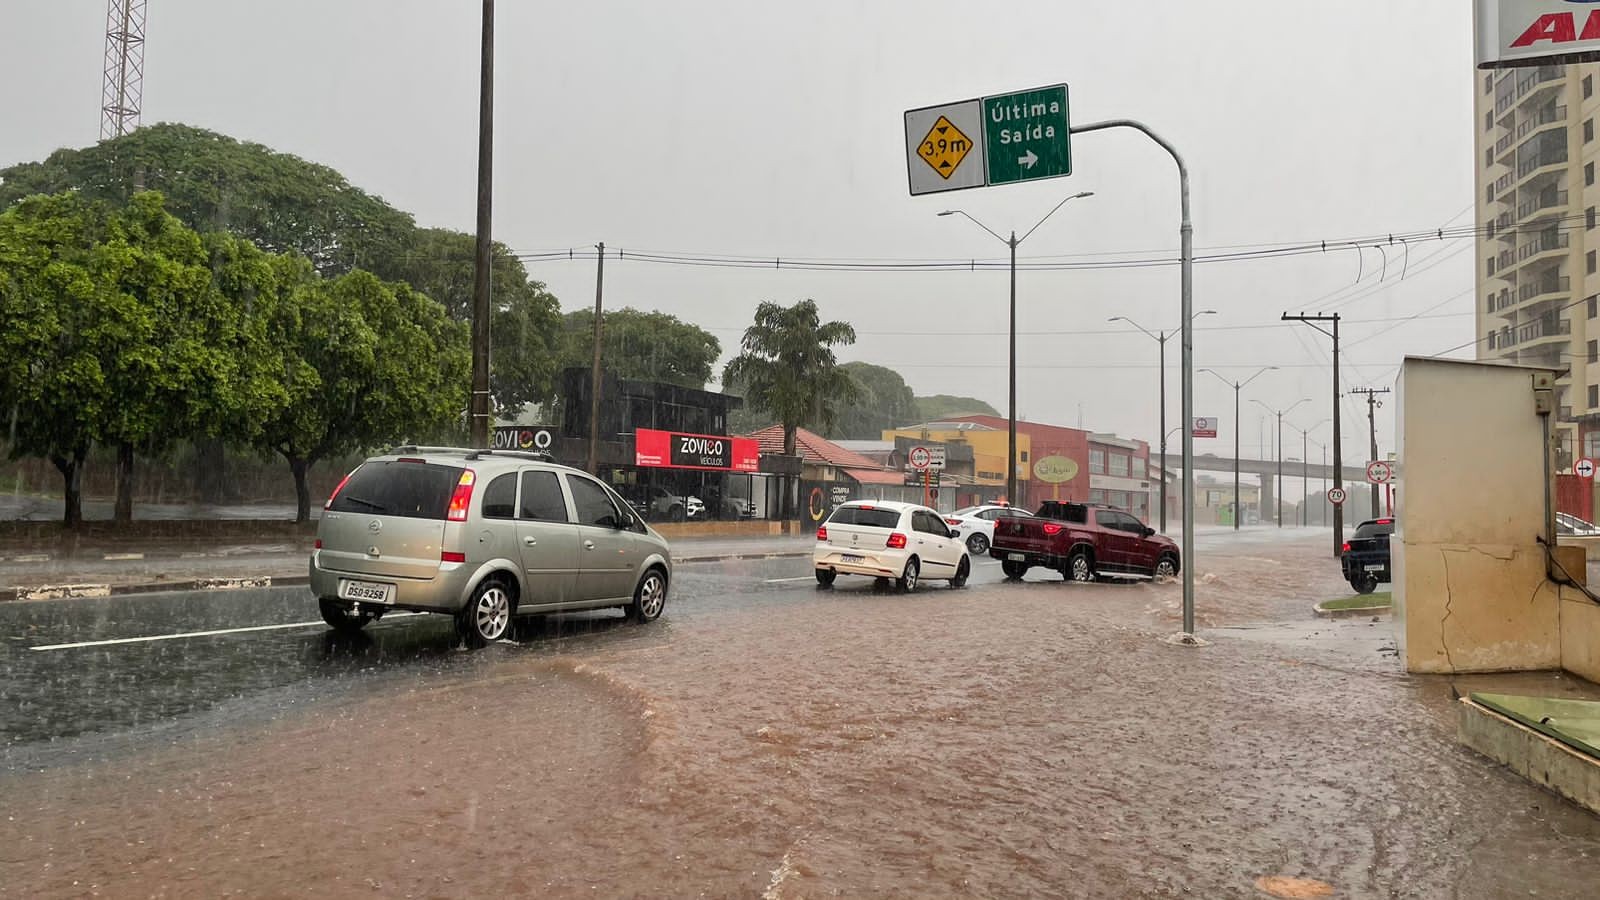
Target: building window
1591	444
1488	84
1588	86
1488	121
1139	469
1119	465
1097	461
1594	353
1588	130
1491	265
1022	455
1589	261
1490	340
1588	173
1097	496
1588	217
1594	395
1594	306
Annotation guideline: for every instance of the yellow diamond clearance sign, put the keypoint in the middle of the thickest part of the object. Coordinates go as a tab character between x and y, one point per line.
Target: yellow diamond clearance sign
944	147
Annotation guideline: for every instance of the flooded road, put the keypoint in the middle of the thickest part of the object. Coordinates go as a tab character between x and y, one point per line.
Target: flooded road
769	739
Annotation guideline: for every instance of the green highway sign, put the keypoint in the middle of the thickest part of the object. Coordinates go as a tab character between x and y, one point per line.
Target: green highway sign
1003	139
1026	135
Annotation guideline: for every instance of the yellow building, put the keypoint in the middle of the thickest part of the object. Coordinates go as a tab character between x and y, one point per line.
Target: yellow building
989	447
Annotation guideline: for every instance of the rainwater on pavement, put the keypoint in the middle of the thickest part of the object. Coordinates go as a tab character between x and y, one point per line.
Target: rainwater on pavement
765	738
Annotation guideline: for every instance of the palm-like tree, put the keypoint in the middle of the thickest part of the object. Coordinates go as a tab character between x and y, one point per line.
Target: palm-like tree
787	367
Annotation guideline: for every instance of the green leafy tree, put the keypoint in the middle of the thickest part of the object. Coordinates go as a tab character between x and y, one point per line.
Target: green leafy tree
53	334
883	402
366	363
938	406
526	328
649	346
787	367
212	182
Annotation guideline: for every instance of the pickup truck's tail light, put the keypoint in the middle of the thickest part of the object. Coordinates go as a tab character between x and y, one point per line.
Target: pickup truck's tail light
461	497
317	545
897	541
822	533
1052	529
1346	548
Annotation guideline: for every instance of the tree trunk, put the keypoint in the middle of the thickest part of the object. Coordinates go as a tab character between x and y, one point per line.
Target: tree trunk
71	469
123	511
302	493
211	483
791	484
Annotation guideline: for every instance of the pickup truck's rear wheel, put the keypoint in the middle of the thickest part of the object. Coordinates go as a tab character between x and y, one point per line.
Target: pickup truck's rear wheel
1080	566
1364	583
1014	570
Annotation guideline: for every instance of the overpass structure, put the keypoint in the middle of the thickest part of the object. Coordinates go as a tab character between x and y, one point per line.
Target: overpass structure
1355	476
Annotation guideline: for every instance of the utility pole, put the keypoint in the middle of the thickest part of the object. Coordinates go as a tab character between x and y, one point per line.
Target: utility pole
1372	427
1280	413
1238	426
1338	452
483	255
594	373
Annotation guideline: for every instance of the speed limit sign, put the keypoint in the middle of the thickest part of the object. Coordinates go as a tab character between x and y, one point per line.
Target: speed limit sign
1336	496
921	458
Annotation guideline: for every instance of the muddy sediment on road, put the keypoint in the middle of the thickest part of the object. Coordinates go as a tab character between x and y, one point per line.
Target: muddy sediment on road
1008	740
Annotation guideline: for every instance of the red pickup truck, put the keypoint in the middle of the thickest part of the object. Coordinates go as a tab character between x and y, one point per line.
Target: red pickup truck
1083	541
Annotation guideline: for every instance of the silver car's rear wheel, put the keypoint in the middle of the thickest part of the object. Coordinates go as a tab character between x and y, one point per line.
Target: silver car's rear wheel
487	616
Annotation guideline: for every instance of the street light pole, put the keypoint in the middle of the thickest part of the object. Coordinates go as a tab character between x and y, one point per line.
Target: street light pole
1160	338
1238	428
1280	413
483	250
1011	416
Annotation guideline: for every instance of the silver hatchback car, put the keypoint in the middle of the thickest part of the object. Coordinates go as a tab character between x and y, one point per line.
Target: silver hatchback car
482	535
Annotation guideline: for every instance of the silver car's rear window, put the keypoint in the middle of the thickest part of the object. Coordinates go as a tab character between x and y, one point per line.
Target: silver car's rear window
867	516
407	489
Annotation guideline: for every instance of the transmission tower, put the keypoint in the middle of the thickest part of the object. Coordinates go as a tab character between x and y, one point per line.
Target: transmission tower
124	75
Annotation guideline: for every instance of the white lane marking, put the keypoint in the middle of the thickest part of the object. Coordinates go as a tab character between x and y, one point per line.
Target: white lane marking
787	580
191	634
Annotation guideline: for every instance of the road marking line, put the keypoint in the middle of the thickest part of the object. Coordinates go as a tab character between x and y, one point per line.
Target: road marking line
784	580
123	556
190	634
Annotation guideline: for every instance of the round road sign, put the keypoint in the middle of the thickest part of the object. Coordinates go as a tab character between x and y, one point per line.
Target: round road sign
1584	467
1336	496
921	458
1379	472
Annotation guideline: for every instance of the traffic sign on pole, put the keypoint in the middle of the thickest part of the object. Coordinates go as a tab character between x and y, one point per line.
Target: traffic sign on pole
1336	496
1002	139
1204	427
1584	468
1379	472
921	458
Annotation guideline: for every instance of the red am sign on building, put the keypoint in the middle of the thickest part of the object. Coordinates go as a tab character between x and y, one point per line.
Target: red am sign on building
1535	32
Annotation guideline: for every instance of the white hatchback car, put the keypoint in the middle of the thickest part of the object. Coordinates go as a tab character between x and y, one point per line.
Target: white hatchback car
977	524
883	539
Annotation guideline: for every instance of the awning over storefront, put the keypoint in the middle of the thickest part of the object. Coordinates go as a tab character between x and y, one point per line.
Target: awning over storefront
875	476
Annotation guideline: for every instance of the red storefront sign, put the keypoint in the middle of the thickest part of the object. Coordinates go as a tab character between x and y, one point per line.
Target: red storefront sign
706	452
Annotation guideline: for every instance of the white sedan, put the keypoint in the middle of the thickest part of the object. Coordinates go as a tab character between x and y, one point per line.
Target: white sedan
886	540
977	524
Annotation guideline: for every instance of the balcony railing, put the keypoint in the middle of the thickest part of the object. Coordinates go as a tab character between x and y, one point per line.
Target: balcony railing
1546	201
1542	243
1548	157
1543	328
1544	286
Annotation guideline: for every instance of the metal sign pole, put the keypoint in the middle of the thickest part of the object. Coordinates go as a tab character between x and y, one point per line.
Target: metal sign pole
1186	244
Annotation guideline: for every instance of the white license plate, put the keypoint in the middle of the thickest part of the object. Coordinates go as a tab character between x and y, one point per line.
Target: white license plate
1377	568
1017	557
366	591
851	558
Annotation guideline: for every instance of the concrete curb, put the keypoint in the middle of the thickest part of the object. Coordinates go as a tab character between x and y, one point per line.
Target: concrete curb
234	583
1355	612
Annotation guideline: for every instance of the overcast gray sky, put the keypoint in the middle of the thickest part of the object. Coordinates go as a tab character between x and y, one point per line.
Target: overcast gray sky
775	130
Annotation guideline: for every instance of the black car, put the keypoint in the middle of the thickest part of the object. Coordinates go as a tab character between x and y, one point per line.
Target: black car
1366	555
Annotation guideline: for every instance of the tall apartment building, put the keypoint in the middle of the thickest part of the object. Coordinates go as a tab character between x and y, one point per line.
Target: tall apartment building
1538	272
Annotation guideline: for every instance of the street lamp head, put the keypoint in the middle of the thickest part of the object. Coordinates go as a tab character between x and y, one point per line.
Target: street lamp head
1083	194
948	212
1206	312
1116	319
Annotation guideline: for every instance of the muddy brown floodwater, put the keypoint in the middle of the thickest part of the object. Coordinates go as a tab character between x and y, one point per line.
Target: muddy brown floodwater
1007	740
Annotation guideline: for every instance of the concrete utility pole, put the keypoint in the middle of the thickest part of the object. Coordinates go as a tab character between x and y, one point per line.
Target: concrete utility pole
1238	426
1280	414
1372	428
483	256
594	373
1011	415
1338	452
